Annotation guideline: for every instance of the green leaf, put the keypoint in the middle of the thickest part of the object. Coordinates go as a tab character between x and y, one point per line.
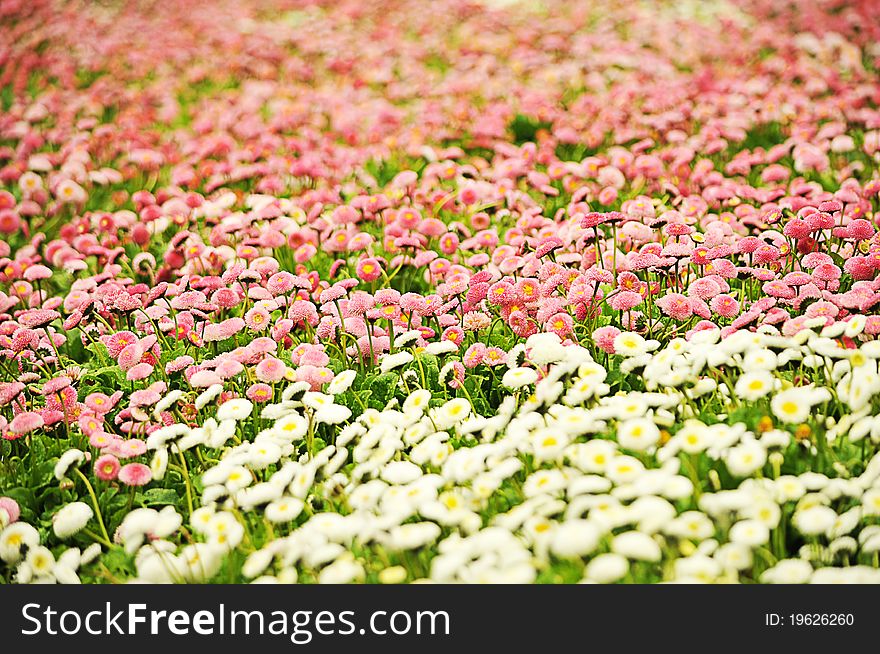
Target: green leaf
101	354
117	561
27	502
431	366
160	497
382	388
525	128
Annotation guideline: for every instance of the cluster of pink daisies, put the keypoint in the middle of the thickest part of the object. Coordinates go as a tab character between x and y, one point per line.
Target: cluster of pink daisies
461	180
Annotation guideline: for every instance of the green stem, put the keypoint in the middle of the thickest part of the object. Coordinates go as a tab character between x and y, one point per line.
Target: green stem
185	472
95	504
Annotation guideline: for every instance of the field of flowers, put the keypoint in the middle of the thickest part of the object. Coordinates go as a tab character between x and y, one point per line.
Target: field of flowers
450	291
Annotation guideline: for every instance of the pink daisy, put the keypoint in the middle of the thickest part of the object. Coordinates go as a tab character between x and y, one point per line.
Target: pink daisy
454	334
55	385
225	298
280	283
270	370
725	305
369	269
130	356
560	324
676	306
26	422
139	372
474	321
135	474
175	365
129	448
259	393
625	300
90	424
257	319
494	356
10	507
100	440
501	293
107	467
204	378
704	288
474	355
604	338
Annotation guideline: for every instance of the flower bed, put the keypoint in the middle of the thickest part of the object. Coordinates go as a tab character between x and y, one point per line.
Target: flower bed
480	292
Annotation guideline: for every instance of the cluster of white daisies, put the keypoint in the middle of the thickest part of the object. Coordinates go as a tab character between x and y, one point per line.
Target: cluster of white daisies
656	483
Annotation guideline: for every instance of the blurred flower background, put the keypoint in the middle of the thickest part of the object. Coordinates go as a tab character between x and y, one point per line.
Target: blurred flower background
457	291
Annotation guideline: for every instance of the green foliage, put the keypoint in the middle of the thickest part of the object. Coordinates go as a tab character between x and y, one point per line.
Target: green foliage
525	128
